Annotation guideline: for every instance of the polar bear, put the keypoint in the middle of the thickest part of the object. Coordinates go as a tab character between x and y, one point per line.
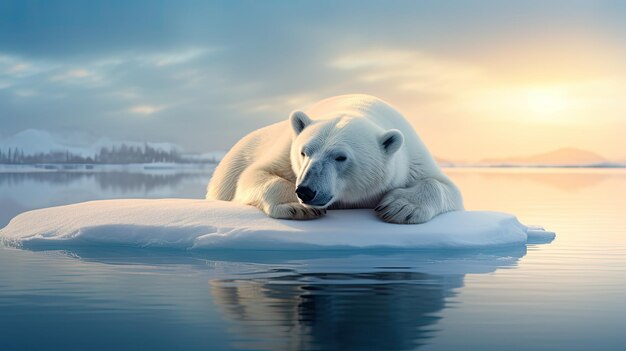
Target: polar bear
348	151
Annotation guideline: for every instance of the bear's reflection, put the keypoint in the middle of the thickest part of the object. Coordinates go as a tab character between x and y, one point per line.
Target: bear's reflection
324	300
372	301
383	310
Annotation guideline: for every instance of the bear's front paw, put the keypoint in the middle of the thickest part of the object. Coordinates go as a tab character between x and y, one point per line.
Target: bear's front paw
398	209
294	210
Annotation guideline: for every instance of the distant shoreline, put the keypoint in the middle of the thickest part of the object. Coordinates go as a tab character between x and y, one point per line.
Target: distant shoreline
206	166
104	167
601	165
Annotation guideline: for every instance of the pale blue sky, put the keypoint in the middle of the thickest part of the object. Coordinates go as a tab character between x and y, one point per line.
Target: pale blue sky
203	74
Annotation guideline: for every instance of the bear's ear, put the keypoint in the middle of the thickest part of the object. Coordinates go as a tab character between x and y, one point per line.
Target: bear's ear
299	120
391	141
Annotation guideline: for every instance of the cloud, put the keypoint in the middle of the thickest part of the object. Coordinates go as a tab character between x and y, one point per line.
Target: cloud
177	57
274	104
146	109
73	74
408	70
155	58
17	68
26	92
125	93
220	69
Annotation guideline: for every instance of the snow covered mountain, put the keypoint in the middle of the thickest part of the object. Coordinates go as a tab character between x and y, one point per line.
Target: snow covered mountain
34	141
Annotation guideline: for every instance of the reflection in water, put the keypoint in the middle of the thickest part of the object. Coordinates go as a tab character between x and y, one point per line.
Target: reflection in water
562	179
20	192
113	181
341	300
387	302
334	311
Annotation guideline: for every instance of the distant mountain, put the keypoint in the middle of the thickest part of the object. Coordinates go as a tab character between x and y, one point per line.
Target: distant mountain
560	157
33	141
33	146
213	156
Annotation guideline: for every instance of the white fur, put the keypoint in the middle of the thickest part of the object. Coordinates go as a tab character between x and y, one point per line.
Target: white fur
386	165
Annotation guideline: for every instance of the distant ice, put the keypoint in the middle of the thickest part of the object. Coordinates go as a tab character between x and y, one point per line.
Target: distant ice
203	224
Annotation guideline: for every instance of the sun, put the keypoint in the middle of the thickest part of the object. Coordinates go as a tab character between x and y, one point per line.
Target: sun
536	104
543	102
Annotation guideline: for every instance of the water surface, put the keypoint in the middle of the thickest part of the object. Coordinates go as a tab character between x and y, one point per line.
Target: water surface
566	295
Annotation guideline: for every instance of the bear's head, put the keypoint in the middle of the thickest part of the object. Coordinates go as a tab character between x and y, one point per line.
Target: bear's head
343	159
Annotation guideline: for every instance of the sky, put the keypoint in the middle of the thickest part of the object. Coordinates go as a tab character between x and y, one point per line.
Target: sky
476	79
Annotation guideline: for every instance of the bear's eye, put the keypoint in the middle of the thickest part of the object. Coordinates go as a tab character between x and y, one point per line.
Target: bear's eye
302	154
340	158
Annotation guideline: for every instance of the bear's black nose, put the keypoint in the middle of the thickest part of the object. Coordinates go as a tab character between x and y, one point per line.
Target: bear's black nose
305	193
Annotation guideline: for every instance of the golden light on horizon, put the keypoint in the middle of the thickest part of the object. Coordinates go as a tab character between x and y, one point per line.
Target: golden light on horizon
536	104
546	102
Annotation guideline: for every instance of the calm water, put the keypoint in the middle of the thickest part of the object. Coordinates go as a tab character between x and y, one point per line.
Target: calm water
566	295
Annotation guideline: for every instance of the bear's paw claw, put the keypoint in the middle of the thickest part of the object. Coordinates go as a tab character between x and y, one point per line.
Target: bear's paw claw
399	210
294	210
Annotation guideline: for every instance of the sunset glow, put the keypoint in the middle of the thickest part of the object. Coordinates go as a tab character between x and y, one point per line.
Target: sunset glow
528	78
545	102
